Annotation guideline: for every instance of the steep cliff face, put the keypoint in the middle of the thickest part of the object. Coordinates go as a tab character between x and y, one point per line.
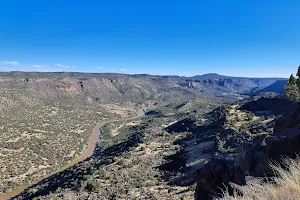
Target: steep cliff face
220	83
106	88
252	156
291	120
277	87
286	139
209	83
118	89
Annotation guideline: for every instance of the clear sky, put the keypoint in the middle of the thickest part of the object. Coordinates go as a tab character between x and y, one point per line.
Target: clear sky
241	38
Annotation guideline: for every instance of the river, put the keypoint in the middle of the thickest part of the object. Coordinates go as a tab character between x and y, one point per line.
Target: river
89	151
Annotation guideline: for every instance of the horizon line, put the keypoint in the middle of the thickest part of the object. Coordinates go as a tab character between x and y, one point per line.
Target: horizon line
262	77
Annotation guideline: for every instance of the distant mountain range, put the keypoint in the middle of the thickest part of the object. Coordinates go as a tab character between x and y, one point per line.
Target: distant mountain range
215	82
208	83
277	87
44	111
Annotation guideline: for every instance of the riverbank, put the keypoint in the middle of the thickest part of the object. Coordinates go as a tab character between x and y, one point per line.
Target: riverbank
93	140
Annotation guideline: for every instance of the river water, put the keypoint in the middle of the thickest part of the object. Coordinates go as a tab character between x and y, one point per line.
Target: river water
92	144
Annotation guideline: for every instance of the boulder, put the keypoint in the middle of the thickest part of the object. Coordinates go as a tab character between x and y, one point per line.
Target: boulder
214	176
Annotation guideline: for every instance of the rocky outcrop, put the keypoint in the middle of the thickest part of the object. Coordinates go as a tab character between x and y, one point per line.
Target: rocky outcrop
214	175
100	88
252	159
209	83
218	173
286	138
288	121
268	104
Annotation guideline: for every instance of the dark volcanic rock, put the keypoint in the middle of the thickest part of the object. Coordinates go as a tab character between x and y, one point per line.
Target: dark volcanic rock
181	126
215	175
218	173
289	121
286	139
253	157
287	145
268	104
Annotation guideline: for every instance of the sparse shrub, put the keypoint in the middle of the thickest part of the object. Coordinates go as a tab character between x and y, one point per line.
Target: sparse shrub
91	185
193	187
285	184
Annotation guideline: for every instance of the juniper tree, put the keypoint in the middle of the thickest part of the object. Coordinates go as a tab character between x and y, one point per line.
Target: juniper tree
292	88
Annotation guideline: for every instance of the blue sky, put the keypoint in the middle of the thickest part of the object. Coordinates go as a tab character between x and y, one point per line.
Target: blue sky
241	38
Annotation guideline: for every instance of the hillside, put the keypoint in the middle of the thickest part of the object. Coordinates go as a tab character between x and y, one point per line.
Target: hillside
50	117
216	82
159	156
149	100
277	87
271	140
208	83
127	162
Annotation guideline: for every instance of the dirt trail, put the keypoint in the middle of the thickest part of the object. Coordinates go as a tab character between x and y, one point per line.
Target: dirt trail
94	138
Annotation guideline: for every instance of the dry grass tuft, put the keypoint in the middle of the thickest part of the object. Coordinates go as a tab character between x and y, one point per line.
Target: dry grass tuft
284	186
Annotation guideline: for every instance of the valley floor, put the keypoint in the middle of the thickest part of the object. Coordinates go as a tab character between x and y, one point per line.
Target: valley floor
181	140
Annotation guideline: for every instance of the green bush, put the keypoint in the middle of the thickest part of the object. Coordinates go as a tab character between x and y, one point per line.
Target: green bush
292	88
91	185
